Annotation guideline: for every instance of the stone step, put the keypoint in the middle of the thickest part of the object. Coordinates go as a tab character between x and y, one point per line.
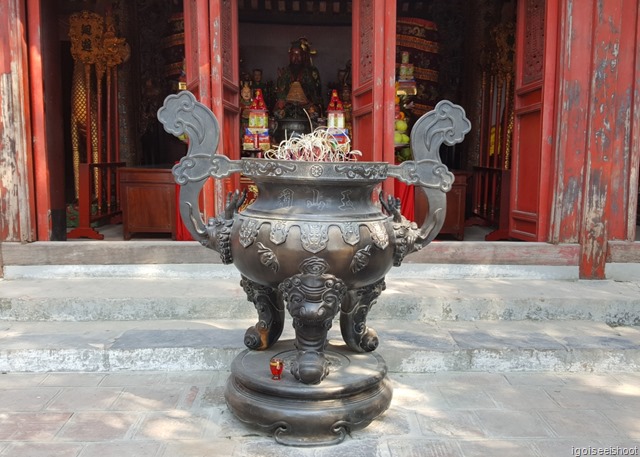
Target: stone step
408	297
407	347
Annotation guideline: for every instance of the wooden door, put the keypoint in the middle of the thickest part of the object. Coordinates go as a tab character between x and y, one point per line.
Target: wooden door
225	86
17	192
198	71
196	47
532	168
373	78
211	49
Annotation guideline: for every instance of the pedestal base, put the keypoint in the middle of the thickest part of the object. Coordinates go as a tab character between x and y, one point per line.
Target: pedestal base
354	393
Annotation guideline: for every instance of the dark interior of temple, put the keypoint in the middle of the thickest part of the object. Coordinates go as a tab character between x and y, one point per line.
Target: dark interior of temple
462	33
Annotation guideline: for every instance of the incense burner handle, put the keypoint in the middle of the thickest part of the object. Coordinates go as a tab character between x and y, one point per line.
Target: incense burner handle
448	124
181	114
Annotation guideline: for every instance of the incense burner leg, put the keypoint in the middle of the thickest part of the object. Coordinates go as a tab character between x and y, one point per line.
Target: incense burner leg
270	315
353	316
313	299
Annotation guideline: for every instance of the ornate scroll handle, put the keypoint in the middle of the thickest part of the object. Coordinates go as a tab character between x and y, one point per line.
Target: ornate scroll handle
182	114
447	124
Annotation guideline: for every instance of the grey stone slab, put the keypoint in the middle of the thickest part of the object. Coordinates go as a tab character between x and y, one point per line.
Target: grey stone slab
40	449
199	448
178	338
519	359
85	399
413	392
626	421
409	335
212	344
394	422
173	359
601	360
97	426
136	378
137	398
458	424
626	396
498	448
582	398
21	380
159	292
73	380
31	426
42	360
579	423
600	341
535	379
201	378
193	420
212	397
424	360
590	335
631	378
26	399
172	425
424	448
351	447
592	379
496	335
520	397
82	299
479	379
122	448
466	397
65	335
506	424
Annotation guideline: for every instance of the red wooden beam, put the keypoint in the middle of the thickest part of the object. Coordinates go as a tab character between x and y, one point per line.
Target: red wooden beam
573	93
608	146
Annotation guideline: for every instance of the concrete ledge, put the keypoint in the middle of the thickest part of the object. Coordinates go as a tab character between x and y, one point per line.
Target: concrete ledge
204	271
90	252
87	252
407	297
406	347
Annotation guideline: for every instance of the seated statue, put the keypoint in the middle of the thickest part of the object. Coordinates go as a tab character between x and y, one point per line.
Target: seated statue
289	103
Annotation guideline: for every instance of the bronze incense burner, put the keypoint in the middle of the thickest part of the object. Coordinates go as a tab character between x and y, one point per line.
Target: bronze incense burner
316	242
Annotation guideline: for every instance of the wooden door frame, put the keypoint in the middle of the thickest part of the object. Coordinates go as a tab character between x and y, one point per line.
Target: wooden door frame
198	72
373	82
225	88
42	203
211	39
196	47
611	160
596	143
533	98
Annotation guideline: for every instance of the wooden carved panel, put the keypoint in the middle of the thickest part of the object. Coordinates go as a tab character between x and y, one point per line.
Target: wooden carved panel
366	41
534	39
227	47
191	56
86	30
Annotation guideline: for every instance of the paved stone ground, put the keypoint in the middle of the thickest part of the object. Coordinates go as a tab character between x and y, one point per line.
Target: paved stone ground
457	414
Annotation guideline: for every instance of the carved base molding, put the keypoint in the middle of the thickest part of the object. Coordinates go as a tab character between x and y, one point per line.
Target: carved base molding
298	414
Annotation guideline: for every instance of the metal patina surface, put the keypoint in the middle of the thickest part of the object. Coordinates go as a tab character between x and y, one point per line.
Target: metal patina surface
316	242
